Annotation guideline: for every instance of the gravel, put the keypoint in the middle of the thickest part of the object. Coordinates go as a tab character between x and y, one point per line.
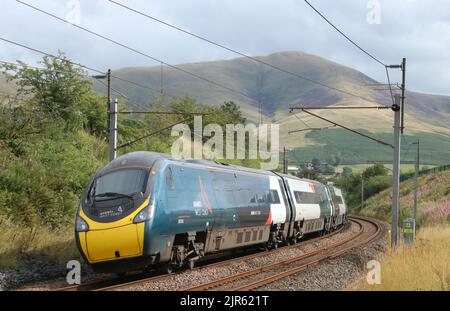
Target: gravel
200	276
333	274
30	270
40	274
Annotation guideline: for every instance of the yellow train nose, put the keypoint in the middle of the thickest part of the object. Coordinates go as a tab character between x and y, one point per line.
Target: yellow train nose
114	243
112	240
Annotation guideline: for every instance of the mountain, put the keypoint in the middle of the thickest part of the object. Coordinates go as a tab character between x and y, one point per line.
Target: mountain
277	91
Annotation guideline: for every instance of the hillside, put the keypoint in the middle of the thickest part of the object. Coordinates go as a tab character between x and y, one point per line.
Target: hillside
423	265
275	90
427	116
433	200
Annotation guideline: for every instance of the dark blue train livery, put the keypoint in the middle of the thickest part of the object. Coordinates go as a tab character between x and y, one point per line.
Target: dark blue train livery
145	209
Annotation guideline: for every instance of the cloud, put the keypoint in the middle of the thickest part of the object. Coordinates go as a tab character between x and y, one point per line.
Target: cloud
414	29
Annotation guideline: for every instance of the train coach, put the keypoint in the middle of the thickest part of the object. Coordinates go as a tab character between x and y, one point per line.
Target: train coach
145	209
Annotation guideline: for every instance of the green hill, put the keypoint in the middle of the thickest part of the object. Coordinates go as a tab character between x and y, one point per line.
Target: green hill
427	116
433	200
275	90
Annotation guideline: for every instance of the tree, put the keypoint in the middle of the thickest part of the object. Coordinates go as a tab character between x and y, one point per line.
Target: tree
375	170
346	171
308	173
327	169
316	164
331	160
234	112
60	91
17	126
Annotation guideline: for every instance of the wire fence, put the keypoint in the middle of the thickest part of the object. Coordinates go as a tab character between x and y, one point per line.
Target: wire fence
433	170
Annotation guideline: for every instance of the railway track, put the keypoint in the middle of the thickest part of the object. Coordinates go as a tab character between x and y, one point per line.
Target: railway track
253	279
247	280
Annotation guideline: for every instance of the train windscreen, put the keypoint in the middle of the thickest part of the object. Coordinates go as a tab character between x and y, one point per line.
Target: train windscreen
122	182
116	194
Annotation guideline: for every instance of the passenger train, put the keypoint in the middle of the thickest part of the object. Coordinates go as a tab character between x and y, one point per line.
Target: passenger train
146	209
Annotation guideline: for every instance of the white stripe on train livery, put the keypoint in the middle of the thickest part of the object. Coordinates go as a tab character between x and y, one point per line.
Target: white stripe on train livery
278	210
303	211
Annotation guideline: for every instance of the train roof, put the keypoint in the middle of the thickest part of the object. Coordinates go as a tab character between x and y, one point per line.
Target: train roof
133	159
147	158
224	166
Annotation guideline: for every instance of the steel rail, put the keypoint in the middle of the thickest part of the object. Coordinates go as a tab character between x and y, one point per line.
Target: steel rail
102	285
283	274
270	267
218	264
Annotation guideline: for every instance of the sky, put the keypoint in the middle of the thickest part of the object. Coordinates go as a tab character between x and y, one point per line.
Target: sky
390	30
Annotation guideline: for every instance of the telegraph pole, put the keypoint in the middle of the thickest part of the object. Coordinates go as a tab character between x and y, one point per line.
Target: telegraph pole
112	130
402	67
108	104
403	94
362	191
112	134
108	100
396	171
284	161
416	176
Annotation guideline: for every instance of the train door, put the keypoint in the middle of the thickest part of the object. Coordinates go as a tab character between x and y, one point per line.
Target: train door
278	210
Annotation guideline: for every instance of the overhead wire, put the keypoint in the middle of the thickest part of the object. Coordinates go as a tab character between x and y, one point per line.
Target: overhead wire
239	53
356	45
138	52
86	67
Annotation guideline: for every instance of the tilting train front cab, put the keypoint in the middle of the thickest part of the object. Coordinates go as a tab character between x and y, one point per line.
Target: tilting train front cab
112	240
114	214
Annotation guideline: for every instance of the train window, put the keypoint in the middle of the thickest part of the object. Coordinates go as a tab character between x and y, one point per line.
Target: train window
126	181
274	198
253	198
261	195
307	197
337	199
283	192
323	197
297	195
169	179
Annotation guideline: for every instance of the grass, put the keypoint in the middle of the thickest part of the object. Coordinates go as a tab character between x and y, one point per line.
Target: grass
38	242
359	168
422	266
433	200
435	148
425	265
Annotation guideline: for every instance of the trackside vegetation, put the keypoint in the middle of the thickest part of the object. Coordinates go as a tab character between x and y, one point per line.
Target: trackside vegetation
425	265
53	141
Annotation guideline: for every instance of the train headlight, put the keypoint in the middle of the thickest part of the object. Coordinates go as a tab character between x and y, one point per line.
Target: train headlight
145	214
81	225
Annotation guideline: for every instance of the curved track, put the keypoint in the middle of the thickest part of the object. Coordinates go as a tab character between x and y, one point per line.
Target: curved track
368	230
253	279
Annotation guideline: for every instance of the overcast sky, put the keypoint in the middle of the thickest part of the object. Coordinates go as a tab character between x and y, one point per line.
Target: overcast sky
416	29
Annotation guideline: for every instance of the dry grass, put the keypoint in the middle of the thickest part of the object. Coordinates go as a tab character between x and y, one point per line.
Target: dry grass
16	241
423	266
433	200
